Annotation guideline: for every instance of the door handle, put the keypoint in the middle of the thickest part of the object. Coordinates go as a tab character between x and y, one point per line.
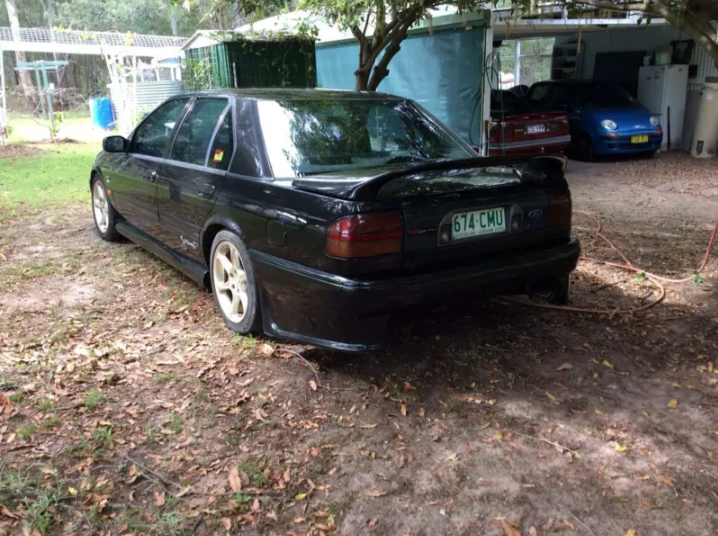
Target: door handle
152	177
206	192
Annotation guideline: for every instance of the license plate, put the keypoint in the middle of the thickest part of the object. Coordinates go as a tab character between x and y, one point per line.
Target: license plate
478	223
639	139
535	129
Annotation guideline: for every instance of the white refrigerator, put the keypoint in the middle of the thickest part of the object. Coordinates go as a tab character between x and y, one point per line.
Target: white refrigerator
663	89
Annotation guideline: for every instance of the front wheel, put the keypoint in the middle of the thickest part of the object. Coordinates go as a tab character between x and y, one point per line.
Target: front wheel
233	283
104	213
585	149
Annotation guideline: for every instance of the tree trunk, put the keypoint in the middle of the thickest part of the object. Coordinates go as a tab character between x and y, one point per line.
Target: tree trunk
362	81
20	56
237	12
173	23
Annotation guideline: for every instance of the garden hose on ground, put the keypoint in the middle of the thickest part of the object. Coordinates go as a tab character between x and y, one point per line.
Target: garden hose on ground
655	279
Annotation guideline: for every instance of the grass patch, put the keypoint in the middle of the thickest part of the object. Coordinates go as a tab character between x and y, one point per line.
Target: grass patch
27	431
59	176
176	423
95	399
255	473
166	377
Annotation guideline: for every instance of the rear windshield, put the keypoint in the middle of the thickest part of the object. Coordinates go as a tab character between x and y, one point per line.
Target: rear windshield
605	96
508	103
312	137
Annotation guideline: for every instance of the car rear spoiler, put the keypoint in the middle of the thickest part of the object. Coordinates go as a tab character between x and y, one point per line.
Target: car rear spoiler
531	169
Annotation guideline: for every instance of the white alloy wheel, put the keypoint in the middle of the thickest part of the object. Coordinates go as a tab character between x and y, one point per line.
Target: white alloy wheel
230	281
100	207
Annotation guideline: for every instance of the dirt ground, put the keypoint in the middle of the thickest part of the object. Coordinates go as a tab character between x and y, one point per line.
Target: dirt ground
127	407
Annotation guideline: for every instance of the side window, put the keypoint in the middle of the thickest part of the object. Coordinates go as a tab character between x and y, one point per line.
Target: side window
152	135
538	94
221	151
195	132
560	97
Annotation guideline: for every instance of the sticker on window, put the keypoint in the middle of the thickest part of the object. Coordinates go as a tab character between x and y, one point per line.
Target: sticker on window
218	156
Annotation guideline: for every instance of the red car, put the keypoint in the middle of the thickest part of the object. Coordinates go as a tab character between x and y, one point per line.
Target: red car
517	128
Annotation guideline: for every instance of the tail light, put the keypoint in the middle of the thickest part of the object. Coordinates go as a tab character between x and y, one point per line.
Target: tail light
559	209
366	235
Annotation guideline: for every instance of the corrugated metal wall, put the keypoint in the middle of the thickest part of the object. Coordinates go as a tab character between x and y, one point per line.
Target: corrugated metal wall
149	94
284	63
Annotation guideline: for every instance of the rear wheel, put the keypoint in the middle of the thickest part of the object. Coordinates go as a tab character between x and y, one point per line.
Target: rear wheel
104	213
585	149
233	283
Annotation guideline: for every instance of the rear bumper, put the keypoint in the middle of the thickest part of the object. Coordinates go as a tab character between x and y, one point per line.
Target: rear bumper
538	146
351	314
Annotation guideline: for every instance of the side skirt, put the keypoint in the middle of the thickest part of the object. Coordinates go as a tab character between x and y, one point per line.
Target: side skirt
190	268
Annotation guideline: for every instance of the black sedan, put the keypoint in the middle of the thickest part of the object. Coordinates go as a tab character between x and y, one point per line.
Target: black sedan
313	215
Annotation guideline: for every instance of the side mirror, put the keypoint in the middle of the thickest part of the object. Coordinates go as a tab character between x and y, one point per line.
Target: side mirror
115	144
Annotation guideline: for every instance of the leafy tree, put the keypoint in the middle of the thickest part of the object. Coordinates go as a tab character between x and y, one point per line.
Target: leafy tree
380	27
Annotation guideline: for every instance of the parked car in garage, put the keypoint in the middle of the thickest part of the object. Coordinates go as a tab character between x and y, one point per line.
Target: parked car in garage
312	215
603	118
519	128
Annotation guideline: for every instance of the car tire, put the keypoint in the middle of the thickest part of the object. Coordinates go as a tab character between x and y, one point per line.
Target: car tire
104	214
585	148
234	284
561	294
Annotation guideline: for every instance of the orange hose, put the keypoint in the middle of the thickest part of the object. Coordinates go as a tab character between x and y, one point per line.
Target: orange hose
656	279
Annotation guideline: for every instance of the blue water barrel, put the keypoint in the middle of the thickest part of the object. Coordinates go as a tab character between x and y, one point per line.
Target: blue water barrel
101	113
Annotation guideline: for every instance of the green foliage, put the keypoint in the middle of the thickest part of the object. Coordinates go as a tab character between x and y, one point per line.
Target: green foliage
196	74
95	399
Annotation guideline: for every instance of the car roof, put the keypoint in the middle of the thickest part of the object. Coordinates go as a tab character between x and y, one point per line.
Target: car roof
574	82
295	94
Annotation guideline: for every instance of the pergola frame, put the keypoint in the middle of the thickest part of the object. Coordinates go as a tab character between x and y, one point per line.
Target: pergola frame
118	49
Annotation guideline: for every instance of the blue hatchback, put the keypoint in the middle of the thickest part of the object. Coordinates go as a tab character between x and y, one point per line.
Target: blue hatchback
603	118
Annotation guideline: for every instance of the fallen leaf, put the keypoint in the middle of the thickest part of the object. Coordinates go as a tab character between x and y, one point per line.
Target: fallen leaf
548	524
553	398
565	366
598	412
492	402
376	493
621	448
300	496
509	527
607	364
666	480
266	349
631	532
72	491
533	531
312	385
407	385
368	426
160	499
566	525
226	523
673	403
421	412
403	410
235	482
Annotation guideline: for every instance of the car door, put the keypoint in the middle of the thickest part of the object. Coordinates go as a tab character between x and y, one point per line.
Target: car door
192	174
132	180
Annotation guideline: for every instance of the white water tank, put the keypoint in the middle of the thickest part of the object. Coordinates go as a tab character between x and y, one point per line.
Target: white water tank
705	136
